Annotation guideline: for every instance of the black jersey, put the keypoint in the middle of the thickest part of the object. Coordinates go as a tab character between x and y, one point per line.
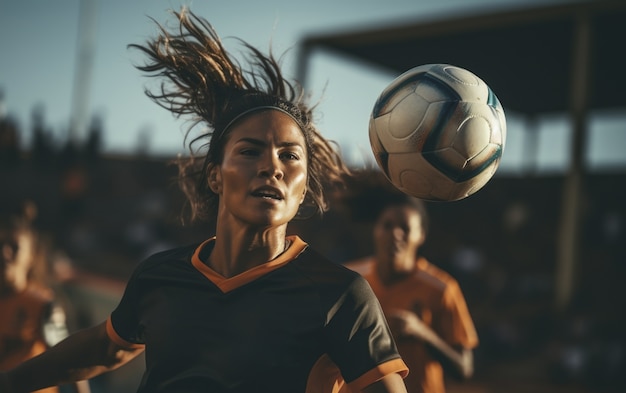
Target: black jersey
279	327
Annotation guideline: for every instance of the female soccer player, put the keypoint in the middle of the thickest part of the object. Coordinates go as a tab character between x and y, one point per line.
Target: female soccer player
250	309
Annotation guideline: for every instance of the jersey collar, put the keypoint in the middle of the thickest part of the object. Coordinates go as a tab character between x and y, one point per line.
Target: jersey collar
228	284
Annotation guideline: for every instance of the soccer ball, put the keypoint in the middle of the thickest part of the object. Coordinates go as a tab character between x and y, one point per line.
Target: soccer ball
438	132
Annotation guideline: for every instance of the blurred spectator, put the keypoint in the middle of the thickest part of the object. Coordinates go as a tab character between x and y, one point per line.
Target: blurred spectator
31	318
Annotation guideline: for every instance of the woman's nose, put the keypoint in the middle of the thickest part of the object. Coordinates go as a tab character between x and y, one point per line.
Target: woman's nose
270	166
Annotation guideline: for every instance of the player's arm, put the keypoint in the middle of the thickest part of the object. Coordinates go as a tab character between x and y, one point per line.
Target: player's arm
54	330
83	355
457	360
391	383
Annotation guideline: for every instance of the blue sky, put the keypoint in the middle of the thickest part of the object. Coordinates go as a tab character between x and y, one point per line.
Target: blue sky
38	46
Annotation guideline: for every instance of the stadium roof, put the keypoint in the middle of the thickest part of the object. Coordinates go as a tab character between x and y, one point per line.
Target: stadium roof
565	58
530	57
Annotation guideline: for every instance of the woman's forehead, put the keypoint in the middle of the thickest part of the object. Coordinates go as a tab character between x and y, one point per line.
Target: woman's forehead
268	124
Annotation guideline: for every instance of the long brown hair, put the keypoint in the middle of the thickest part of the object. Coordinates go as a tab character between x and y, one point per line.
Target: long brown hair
203	81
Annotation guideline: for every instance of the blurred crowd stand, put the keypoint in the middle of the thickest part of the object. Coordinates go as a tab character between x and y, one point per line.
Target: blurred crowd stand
103	213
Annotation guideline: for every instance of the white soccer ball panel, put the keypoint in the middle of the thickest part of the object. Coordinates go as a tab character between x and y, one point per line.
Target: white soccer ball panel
473	134
406	116
469	129
413	175
381	126
467	86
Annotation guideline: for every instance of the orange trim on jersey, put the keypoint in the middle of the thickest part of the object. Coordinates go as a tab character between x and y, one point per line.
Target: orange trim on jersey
228	284
376	374
324	377
117	339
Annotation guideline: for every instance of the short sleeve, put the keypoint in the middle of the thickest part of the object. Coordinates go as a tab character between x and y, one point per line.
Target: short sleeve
359	339
457	326
123	323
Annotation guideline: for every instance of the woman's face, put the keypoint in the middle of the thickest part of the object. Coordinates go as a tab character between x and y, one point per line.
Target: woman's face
263	176
398	234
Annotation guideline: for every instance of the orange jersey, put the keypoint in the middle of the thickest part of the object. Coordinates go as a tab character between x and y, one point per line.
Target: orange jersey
436	298
21	327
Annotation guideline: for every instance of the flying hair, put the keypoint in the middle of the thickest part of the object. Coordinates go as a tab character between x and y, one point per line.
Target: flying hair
200	80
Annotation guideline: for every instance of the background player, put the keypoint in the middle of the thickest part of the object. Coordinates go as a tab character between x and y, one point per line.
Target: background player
424	305
31	319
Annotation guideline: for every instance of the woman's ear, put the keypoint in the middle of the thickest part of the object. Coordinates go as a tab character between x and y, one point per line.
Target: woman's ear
214	179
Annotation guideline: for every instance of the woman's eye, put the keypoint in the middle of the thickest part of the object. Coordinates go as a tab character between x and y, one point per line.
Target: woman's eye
249	152
290	156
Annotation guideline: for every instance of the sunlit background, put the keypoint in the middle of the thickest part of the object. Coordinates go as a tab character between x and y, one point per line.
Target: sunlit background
65	70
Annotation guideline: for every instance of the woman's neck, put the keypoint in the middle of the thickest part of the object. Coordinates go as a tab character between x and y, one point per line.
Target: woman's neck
238	251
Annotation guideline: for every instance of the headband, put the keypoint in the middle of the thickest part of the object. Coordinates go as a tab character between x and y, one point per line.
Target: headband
259	108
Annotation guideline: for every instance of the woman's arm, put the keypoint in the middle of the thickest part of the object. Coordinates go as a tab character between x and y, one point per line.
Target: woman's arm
83	355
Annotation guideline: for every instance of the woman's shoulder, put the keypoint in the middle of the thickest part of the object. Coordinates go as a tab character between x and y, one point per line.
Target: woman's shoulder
337	287
312	259
166	257
324	273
